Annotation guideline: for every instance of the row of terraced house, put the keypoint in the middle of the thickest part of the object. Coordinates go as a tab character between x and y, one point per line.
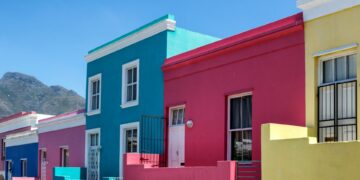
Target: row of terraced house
278	102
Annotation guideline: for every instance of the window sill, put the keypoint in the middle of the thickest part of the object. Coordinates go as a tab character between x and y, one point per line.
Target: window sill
129	104
94	112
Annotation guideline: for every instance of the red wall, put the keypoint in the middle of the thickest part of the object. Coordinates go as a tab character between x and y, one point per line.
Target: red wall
272	68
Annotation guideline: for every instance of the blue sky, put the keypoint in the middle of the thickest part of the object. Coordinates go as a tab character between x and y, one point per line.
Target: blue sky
49	38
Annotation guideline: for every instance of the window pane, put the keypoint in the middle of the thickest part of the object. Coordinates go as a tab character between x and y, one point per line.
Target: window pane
93	102
135	74
246	112
98	86
128	140
134	93
129	76
97	101
328	71
241	145
93	87
235	113
181	116
174	117
352	66
134	142
129	93
340	68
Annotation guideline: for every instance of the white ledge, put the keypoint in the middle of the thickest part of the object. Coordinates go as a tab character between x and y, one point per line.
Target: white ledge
337	49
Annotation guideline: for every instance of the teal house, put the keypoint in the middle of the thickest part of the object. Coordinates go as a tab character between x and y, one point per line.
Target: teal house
124	87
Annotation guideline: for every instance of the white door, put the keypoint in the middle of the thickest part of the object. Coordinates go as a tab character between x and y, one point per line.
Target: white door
176	137
43	164
93	157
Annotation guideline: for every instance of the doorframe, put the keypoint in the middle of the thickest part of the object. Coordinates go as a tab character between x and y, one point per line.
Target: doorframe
7	168
228	139
171	108
41	150
123	128
88	132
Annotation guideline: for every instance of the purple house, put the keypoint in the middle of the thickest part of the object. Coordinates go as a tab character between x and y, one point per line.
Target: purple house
61	142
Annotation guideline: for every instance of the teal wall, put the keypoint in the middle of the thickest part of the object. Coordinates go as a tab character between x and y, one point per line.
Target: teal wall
151	52
69	173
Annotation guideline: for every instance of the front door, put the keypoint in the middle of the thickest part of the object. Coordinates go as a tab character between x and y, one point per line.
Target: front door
93	156
9	168
176	137
43	163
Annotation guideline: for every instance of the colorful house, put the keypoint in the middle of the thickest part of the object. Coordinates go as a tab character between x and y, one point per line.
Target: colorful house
17	123
218	96
125	84
61	142
327	147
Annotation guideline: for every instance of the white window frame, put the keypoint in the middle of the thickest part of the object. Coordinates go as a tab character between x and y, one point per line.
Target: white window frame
87	142
23	173
89	99
62	148
228	130
171	109
123	128
125	67
324	58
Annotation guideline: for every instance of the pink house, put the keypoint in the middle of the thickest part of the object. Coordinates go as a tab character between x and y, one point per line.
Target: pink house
61	142
217	97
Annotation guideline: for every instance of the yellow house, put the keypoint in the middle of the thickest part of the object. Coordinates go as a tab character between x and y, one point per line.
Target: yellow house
328	147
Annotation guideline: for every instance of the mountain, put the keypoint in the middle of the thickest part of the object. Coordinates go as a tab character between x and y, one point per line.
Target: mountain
20	92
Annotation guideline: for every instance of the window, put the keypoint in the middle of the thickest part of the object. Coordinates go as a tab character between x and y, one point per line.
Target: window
94	139
131	140
3	149
94	94
64	155
240	127
337	99
177	116
23	167
130	84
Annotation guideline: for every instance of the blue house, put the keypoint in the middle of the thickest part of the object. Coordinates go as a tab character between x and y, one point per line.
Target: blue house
124	85
21	155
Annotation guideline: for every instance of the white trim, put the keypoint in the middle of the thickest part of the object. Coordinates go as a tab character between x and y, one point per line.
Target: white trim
90	80
316	8
124	104
154	29
171	114
335	50
61	123
27	137
123	128
21	122
88	133
228	141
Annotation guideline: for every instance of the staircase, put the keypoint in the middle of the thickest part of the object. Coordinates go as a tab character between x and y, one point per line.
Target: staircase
250	170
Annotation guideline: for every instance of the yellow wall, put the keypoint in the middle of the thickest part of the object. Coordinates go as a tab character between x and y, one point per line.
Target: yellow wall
327	32
288	154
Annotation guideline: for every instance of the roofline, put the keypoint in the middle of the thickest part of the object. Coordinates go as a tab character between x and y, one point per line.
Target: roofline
68	114
156	26
244	38
17	115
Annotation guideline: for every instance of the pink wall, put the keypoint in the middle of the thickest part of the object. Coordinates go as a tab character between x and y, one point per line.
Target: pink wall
3	135
73	137
271	66
134	171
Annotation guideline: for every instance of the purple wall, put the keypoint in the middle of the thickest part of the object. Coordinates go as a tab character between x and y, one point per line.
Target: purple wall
73	138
